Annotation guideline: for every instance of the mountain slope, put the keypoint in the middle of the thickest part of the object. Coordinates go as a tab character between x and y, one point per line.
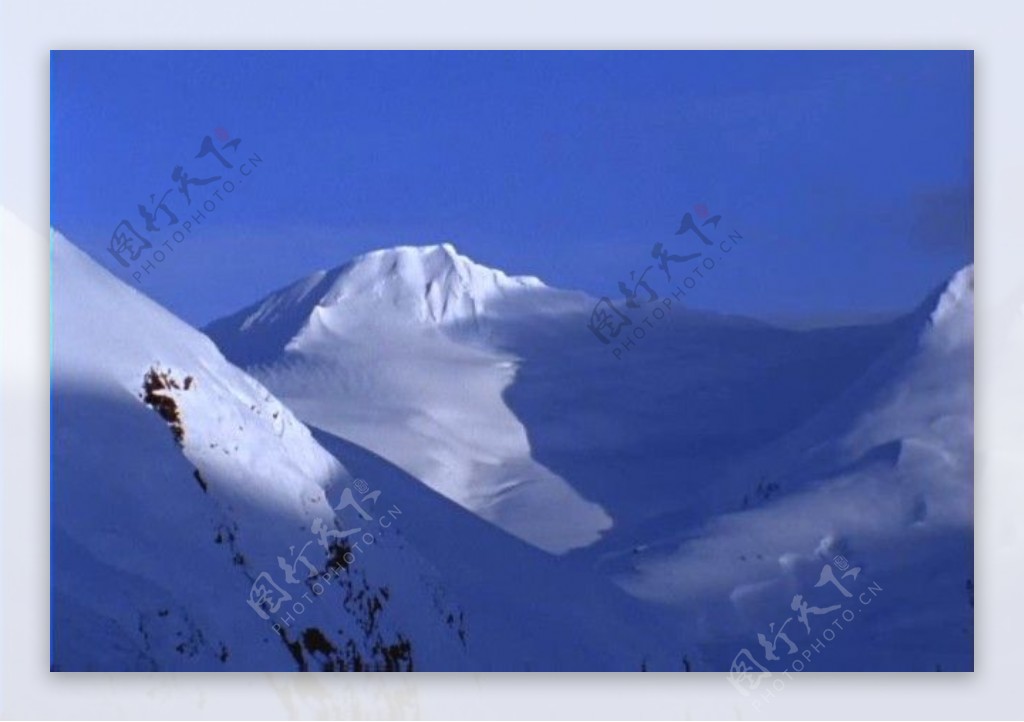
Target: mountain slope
161	526
882	476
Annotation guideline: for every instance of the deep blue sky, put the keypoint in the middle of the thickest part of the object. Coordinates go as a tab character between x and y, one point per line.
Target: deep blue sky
849	174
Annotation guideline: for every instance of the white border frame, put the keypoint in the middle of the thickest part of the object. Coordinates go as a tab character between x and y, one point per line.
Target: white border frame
29	29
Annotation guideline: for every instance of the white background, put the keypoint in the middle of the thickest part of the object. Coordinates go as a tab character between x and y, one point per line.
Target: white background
28	30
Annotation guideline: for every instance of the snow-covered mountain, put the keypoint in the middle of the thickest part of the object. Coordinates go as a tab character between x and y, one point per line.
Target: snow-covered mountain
197	524
883	475
376	352
710	471
510	408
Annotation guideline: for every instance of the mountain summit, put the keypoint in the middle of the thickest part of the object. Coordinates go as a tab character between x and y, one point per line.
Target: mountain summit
432	284
420	285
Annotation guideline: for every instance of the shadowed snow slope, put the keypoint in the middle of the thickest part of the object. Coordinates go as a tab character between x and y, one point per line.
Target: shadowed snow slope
882	476
178	480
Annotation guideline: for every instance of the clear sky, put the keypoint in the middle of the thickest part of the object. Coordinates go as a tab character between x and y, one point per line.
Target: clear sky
849	175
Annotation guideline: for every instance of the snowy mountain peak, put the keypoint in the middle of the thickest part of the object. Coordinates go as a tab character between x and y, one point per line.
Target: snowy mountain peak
433	284
406	286
951	316
957	294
